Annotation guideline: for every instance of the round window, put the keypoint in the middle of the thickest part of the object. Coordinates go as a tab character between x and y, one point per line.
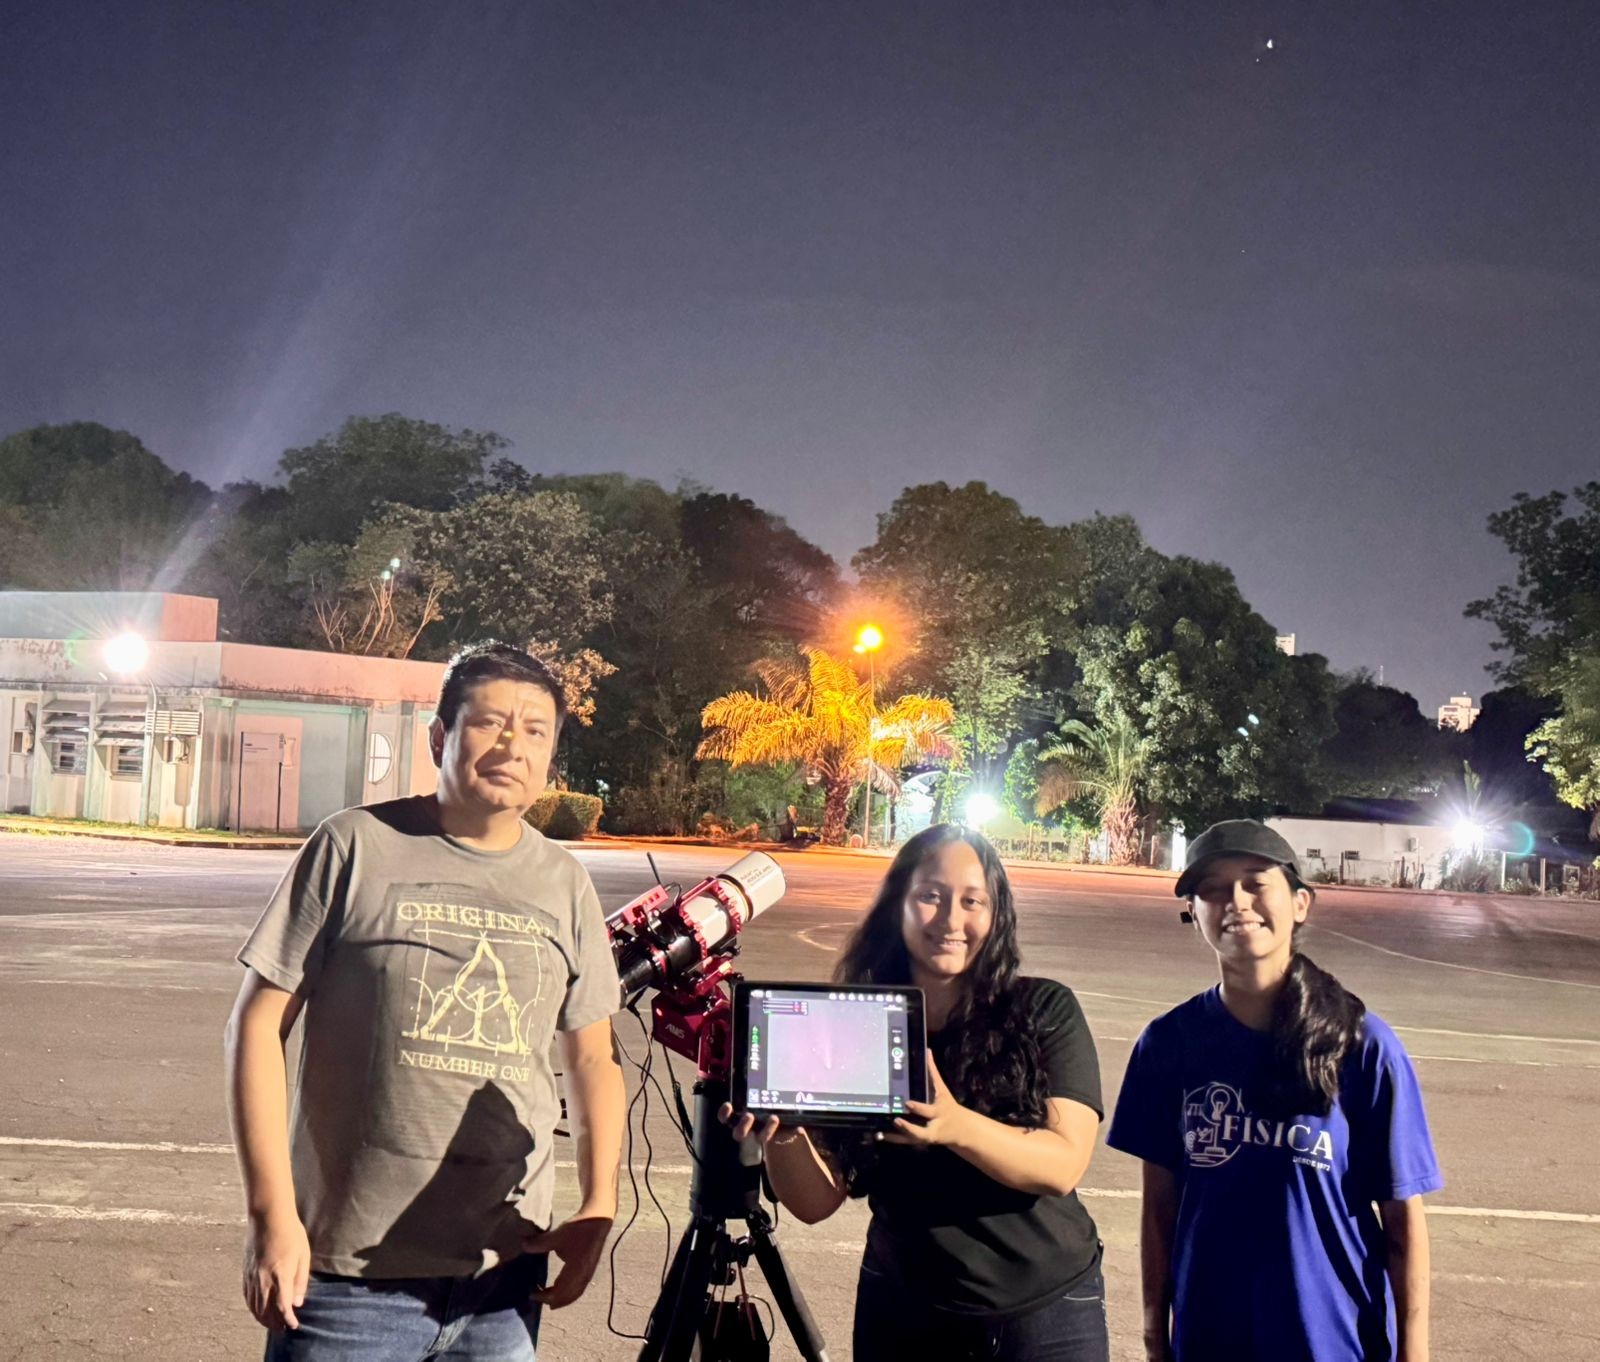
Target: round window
380	757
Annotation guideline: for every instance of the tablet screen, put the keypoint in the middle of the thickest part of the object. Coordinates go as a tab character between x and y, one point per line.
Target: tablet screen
821	1051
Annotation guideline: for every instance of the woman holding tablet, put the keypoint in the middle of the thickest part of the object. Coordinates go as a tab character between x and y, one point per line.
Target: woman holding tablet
1284	1143
978	1245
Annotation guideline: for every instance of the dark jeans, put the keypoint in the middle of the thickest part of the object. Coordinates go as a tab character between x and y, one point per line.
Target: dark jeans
488	1318
894	1323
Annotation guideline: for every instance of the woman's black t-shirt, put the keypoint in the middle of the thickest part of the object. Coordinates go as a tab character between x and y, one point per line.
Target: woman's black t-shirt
956	1237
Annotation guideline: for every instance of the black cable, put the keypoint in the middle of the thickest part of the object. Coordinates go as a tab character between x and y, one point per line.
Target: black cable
633	1182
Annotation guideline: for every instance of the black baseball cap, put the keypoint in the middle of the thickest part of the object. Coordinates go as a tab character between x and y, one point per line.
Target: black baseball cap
1236	837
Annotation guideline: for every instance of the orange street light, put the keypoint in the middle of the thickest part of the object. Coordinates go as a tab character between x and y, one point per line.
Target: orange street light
869	638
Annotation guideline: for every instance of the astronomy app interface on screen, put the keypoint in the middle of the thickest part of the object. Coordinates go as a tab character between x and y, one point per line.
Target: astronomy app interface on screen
843	1051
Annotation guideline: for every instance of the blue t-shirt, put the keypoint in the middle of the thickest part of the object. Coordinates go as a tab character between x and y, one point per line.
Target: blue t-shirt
1278	1252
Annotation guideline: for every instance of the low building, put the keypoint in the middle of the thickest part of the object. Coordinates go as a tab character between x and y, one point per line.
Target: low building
1460	714
1349	850
197	732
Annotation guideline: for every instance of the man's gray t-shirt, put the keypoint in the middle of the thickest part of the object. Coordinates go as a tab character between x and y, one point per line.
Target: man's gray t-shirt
435	976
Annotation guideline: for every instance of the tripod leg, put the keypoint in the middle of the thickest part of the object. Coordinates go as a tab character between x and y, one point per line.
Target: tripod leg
786	1291
675	1321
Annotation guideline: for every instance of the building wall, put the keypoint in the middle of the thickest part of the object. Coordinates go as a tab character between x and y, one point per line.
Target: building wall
325	706
159	616
16	764
1325	844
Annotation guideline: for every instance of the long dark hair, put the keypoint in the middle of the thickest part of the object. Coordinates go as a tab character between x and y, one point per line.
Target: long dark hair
1316	1022
995	1064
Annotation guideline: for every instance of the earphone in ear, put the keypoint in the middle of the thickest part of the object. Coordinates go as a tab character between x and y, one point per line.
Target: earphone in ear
1185	916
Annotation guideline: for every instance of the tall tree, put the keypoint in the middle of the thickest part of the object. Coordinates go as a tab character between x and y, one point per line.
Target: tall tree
374	597
1549	623
1497	745
764	577
1233	724
820	713
1105	765
1382	747
703	585
1554	605
519	566
1568	745
985	588
102	511
339	483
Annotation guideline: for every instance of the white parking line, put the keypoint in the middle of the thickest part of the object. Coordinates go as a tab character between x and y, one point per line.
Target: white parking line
1494	1035
48	1210
1447	964
119	1146
43	1210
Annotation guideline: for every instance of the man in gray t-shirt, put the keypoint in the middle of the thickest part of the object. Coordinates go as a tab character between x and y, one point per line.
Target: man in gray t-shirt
432	949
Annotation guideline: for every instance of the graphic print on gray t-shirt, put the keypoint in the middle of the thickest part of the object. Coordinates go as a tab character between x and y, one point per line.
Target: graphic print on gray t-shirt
435	977
481	986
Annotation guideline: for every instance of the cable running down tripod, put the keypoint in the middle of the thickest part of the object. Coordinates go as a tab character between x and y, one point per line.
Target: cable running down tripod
684	945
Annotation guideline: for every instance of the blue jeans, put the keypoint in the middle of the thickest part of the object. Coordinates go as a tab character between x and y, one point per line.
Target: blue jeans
895	1325
489	1318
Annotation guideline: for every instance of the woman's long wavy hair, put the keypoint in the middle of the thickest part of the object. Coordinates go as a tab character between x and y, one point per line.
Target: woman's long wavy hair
995	1065
1316	1022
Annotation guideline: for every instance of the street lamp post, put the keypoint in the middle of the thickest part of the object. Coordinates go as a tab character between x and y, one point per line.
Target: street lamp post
868	640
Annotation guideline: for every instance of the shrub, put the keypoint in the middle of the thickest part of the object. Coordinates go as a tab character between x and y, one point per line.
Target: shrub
565	815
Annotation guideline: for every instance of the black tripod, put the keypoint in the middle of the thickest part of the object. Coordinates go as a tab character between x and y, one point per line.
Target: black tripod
723	1188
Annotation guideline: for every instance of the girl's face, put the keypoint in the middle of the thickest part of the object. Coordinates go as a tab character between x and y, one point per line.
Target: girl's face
1246	910
948	912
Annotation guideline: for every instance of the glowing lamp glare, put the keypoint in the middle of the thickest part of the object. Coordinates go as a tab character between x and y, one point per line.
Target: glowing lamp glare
126	654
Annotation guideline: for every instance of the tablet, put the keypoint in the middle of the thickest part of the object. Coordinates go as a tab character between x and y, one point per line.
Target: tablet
828	1054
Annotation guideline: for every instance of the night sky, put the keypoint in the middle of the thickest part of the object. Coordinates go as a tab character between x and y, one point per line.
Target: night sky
1313	309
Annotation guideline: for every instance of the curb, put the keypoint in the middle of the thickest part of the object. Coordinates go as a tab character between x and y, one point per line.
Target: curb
64	828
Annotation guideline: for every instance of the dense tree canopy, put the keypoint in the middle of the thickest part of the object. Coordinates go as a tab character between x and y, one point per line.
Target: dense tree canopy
1382	747
1233	724
1553	607
1549	625
83	507
1049	647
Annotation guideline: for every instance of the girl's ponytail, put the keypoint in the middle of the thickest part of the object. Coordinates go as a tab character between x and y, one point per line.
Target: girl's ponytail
1316	1022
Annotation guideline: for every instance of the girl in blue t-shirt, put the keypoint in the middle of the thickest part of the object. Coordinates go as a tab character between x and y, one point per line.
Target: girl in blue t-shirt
1284	1143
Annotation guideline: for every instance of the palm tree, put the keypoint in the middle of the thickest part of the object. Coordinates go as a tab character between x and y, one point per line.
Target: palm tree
1106	764
821	714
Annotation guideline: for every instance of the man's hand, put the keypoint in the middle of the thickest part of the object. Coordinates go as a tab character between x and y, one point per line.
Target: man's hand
578	1242
939	1121
277	1268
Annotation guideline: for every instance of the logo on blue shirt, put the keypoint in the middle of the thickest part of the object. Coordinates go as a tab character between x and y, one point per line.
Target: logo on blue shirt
1216	1125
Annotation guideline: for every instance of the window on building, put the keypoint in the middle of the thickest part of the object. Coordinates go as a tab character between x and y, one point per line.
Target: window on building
380	757
69	758
127	761
1313	853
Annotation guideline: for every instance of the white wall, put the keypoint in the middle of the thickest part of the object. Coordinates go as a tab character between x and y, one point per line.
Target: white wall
1420	846
16	767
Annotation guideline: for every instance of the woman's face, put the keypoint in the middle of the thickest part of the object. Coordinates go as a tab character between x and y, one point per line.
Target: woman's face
948	913
1246	910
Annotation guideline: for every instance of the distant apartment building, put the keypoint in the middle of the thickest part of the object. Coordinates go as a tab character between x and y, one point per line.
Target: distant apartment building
1460	714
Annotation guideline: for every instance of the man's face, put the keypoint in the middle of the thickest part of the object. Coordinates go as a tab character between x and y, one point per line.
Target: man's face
497	754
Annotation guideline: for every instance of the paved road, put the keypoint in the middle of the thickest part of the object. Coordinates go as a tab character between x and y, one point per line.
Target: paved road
118	1199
